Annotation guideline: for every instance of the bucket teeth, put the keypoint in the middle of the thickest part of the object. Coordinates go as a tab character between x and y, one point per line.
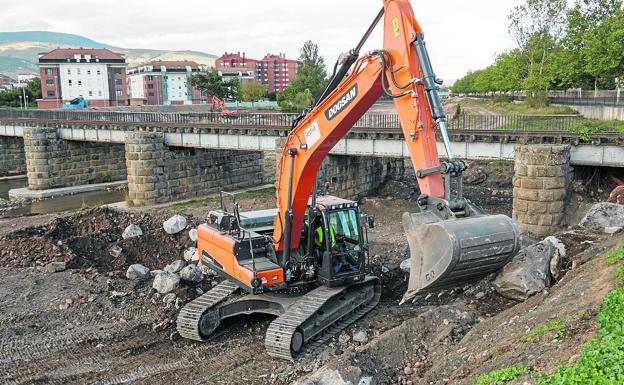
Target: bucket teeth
446	253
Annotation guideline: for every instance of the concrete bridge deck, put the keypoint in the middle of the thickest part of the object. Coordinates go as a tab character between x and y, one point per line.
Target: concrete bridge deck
166	156
379	135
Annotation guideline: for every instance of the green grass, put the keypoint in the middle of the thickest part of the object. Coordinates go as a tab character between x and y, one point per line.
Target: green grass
521	108
616	255
583	127
502	376
558	327
602	358
500	165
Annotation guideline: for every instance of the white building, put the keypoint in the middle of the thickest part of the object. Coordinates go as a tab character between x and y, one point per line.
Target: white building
98	75
164	83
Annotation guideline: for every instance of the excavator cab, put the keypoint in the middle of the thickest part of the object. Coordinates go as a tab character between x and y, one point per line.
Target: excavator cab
339	242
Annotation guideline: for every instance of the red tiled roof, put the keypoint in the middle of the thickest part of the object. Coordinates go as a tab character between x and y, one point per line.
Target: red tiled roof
174	63
63	53
236	57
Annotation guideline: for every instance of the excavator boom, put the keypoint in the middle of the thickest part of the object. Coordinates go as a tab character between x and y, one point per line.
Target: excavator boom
401	70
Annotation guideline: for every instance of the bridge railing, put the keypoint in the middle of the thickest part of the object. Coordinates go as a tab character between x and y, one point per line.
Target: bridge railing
574	123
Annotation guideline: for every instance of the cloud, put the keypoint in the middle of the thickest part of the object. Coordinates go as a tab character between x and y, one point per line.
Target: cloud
460	35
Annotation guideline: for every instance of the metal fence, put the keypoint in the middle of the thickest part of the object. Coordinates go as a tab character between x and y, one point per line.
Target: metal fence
598	101
569	99
280	120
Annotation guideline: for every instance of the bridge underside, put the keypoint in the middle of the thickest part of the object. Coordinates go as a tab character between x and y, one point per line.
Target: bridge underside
167	163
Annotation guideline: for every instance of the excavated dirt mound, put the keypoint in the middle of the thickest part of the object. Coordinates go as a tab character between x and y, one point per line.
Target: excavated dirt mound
92	239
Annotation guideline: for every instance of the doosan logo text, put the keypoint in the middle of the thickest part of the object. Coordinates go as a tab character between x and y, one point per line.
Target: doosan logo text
342	103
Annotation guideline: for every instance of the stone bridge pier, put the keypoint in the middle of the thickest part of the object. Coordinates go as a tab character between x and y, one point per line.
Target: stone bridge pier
158	173
12	158
542	176
51	162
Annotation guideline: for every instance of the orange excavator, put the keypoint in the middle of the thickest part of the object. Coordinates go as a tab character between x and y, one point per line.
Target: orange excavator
215	101
306	261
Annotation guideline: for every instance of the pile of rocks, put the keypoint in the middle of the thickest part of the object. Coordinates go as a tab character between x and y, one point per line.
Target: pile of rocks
169	278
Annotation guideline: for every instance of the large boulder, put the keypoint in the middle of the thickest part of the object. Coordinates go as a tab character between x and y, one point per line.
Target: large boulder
193	235
528	273
137	272
175	266
175	224
603	215
473	176
190	253
191	274
132	231
165	283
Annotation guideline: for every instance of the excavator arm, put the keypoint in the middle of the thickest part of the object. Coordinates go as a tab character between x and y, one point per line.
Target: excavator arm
461	243
329	121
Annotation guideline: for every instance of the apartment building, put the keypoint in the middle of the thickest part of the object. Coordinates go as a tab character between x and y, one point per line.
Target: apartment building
98	75
275	72
164	83
237	66
6	82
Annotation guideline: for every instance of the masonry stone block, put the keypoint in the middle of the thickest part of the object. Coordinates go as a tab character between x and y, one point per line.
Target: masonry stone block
539	199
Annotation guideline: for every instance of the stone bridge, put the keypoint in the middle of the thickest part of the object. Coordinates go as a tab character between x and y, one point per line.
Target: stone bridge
167	156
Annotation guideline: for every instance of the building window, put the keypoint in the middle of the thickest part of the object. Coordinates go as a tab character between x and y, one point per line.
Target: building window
98	72
150	86
79	82
78	71
69	82
90	93
50	94
118	82
150	94
119	92
49	82
69	71
48	71
117	71
99	92
88	72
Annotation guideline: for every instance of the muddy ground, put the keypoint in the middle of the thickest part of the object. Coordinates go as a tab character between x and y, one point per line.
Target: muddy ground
90	325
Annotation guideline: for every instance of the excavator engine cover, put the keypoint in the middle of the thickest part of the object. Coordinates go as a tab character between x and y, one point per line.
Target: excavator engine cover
448	252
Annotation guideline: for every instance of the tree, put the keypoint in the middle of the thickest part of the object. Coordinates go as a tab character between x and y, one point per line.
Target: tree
33	89
581	50
538	27
11	97
252	92
212	83
310	82
294	102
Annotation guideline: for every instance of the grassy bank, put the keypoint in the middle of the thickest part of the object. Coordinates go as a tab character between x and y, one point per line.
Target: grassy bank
601	360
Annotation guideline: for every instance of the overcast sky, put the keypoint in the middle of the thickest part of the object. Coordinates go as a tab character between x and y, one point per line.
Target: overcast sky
460	34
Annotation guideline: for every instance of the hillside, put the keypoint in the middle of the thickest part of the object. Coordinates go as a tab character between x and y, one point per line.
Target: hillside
19	50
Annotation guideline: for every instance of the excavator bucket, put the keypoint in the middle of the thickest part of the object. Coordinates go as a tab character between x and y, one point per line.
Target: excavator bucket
449	252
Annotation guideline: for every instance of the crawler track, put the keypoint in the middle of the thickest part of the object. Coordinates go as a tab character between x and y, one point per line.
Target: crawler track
315	318
190	315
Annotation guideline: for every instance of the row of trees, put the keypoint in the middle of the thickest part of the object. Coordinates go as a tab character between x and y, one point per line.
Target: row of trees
11	97
306	88
558	48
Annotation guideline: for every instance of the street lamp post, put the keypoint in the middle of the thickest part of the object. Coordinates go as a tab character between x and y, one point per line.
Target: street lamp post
25	97
20	98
